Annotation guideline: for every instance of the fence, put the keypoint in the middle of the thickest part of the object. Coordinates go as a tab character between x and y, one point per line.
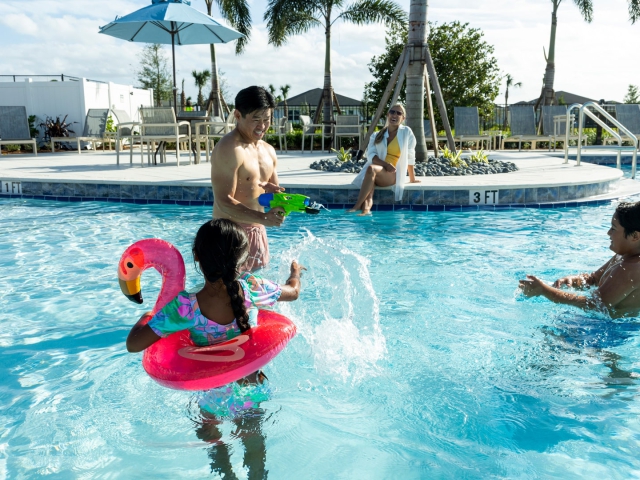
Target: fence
73	98
495	120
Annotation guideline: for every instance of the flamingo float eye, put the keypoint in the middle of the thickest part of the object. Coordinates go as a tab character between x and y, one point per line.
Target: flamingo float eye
129	265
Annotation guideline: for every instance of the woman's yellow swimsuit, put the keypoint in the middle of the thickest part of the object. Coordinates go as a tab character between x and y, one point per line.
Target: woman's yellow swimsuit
393	152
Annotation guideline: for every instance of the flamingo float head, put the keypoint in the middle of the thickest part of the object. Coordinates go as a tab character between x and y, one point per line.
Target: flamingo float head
147	253
129	271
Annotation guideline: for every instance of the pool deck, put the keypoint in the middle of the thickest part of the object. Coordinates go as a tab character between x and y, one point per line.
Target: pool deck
539	173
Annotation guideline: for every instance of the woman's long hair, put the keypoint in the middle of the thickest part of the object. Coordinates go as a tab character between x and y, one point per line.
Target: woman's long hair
221	247
381	133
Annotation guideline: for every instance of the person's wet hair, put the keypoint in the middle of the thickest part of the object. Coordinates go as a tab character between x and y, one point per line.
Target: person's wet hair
629	217
221	247
253	98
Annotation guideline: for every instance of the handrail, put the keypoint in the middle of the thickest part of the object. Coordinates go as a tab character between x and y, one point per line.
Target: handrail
621	128
568	127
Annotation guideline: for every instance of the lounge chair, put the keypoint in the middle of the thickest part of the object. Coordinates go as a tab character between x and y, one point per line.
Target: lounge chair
14	128
554	125
467	126
309	130
629	116
126	129
95	126
206	132
347	126
280	129
523	127
158	124
427	133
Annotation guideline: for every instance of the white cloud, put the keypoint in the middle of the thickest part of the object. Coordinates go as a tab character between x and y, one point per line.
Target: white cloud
52	37
20	23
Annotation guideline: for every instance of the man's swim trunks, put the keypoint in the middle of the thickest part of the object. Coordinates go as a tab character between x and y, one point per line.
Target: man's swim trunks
258	247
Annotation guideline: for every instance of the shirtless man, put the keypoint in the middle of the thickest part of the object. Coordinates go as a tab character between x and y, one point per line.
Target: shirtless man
617	281
243	167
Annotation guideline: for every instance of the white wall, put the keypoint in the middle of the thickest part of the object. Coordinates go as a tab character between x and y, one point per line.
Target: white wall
73	98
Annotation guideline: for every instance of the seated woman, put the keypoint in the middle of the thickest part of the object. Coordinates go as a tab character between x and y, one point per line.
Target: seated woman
390	154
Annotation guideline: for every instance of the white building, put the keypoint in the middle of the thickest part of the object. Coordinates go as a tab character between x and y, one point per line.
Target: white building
71	96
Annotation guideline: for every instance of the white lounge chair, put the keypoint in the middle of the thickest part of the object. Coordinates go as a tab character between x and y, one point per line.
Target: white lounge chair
95	126
309	130
280	129
207	132
629	116
347	126
14	128
523	127
159	125
467	126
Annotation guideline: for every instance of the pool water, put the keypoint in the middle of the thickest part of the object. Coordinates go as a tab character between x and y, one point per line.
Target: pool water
415	356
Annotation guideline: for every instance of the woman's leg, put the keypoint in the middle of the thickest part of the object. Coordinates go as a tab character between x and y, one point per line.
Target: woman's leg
368	185
383	179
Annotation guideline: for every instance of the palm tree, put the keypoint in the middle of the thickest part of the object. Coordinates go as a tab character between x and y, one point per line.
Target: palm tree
547	96
183	102
510	83
286	18
201	79
237	13
285	91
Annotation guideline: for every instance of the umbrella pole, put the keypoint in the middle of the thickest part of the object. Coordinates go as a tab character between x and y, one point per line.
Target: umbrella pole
173	54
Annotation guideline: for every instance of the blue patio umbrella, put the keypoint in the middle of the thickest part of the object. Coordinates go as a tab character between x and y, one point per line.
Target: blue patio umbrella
172	22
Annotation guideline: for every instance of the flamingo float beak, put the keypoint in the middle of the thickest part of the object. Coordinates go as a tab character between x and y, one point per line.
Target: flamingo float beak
131	289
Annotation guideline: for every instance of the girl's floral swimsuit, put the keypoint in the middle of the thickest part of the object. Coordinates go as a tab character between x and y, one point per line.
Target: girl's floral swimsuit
183	313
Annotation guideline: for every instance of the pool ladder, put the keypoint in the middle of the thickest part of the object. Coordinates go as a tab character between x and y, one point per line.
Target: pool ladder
583	110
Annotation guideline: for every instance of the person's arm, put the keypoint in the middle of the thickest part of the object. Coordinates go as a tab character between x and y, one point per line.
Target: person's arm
412	174
291	290
224	178
141	335
611	294
583	280
534	287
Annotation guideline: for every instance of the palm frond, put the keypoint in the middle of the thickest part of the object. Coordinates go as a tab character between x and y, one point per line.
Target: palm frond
238	14
586	9
374	11
634	10
286	18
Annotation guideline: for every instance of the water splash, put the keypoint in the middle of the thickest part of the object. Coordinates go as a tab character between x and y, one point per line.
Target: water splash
339	312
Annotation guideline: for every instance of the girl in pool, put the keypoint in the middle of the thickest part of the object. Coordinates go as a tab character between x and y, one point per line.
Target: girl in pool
227	304
391	153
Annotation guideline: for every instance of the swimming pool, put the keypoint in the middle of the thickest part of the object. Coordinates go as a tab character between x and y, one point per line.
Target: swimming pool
415	358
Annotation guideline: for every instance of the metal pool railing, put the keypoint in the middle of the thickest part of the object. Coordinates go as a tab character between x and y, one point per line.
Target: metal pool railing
584	111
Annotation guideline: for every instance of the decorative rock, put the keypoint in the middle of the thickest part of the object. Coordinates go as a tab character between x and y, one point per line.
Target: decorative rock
433	167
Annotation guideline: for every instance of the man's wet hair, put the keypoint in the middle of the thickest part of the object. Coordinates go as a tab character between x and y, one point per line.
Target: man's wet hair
629	217
253	98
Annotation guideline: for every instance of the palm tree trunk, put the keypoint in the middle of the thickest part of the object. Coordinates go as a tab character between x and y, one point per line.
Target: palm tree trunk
216	109
418	31
506	103
547	96
327	92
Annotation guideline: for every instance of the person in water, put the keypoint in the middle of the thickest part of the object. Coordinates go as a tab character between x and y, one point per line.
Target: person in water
228	303
243	166
391	153
617	282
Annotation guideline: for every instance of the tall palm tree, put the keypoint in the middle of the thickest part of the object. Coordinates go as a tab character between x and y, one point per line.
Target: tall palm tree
547	96
183	100
285	91
509	83
238	14
201	79
286	18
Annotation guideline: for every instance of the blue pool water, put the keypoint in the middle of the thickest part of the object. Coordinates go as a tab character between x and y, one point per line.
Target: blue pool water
415	357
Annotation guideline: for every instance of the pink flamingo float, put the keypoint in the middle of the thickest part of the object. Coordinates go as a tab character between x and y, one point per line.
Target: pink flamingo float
175	361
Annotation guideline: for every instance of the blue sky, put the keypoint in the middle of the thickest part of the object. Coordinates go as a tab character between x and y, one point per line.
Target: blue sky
597	60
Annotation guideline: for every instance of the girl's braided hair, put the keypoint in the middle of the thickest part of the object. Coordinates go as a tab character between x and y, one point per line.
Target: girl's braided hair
221	247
